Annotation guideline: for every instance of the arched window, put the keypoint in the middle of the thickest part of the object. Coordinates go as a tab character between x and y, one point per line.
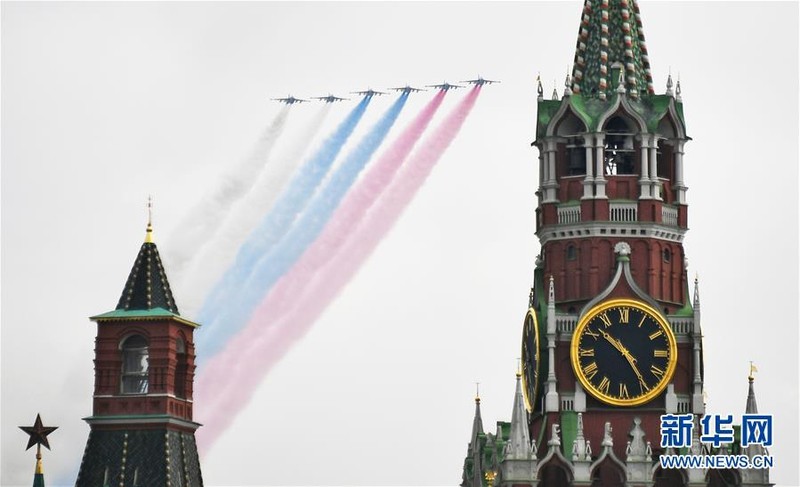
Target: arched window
572	252
134	365
619	150
180	368
576	161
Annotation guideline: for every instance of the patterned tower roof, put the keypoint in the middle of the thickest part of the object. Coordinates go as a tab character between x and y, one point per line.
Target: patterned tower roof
611	38
147	287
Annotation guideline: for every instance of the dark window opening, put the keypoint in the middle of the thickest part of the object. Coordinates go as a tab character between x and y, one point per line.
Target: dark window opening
135	374
576	157
618	157
667	255
572	252
180	368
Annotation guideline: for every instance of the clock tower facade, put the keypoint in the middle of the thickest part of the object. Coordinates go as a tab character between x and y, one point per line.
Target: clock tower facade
612	337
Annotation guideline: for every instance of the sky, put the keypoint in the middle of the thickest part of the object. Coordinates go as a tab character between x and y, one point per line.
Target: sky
104	104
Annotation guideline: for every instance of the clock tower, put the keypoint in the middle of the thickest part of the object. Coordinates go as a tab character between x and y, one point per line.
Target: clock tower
142	433
612	336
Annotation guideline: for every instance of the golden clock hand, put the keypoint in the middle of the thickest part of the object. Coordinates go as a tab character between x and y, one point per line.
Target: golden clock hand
613	341
632	361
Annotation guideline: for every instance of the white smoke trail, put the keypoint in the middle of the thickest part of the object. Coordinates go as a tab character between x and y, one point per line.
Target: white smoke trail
203	220
216	251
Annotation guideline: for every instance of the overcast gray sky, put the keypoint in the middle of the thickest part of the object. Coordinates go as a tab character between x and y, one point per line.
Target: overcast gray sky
105	103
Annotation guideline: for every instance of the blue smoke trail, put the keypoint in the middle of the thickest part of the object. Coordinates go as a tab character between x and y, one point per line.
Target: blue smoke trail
273	227
274	263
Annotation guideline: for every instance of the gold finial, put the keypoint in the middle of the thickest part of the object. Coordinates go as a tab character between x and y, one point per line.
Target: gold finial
490	475
148	238
477	392
519	367
753	369
39	468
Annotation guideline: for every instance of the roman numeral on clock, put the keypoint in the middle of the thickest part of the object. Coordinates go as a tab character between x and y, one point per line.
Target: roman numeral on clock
656	334
623	391
590	370
586	353
624	315
605	319
657	372
604	385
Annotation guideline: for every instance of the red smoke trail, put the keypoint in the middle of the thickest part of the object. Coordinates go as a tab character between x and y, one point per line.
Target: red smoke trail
301	295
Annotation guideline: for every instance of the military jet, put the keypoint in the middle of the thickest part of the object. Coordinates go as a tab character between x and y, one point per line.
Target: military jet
329	98
290	100
480	81
369	92
445	86
407	89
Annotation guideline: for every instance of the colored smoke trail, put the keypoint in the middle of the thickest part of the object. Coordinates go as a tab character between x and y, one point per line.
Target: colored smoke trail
308	225
217	251
301	296
272	228
204	218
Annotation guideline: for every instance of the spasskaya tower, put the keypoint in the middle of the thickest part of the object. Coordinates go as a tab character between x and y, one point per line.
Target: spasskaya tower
612	337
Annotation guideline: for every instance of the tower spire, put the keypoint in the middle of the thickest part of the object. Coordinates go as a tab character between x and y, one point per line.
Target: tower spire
611	33
148	237
519	442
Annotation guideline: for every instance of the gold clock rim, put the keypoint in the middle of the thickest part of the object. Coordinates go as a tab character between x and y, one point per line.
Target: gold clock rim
532	313
660	319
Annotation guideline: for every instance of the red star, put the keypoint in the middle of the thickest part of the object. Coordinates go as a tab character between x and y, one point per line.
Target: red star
38	433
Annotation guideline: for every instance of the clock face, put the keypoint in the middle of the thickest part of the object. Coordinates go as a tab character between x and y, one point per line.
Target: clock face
530	359
623	352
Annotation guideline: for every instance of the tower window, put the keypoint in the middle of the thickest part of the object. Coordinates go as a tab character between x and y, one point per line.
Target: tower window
576	164
619	150
134	365
572	252
667	255
180	368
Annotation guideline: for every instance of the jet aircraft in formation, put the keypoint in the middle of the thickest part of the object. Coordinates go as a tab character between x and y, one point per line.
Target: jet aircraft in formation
290	100
403	89
480	81
329	98
445	86
407	89
369	92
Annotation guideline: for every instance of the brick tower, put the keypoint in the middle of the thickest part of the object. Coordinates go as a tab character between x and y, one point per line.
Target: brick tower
612	337
142	433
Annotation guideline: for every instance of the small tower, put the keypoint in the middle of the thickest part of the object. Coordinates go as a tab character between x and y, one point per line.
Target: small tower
142	431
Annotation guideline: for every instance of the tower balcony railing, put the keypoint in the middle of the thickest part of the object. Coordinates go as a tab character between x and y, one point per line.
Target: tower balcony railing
569	214
669	215
682	326
623	212
566	324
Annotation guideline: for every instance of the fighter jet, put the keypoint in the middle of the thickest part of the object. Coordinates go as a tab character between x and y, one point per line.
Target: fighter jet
290	100
480	81
445	86
369	92
407	89
329	98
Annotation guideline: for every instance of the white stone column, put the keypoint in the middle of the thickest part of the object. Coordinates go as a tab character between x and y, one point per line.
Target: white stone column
680	187
656	186
599	179
588	181
551	398
552	173
644	178
549	166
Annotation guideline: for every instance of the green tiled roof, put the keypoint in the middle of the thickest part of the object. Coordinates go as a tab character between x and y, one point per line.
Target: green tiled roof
139	314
